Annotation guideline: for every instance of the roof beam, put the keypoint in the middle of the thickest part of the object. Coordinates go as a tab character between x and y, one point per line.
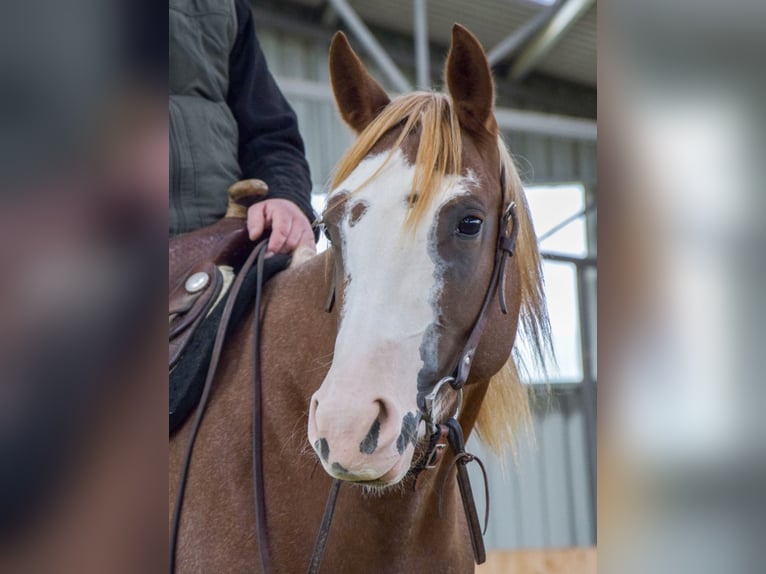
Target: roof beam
515	40
371	45
548	36
422	59
508	119
546	124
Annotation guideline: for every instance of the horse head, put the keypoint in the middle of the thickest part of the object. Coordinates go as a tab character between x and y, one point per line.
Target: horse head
413	220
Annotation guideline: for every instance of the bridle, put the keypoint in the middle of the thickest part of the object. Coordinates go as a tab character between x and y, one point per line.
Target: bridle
506	243
449	429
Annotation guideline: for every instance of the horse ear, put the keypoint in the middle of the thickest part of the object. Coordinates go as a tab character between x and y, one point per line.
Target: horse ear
469	81
359	97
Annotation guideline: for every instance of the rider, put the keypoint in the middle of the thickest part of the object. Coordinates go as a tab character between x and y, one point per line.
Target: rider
229	122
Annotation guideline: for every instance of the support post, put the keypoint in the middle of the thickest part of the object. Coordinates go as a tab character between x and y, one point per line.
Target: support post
422	58
544	41
515	40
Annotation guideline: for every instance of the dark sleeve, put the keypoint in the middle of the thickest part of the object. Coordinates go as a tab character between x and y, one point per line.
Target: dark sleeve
270	145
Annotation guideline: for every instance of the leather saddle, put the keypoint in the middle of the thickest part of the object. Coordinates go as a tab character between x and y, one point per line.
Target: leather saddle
202	267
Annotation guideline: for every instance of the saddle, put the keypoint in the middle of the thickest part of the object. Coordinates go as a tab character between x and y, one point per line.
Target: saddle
202	267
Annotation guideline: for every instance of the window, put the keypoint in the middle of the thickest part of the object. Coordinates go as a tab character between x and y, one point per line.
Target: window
554	210
552	205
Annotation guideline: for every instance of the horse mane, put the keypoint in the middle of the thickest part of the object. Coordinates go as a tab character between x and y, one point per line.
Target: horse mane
438	154
505	408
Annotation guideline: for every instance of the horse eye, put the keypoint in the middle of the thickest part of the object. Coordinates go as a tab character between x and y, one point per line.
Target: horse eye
469	226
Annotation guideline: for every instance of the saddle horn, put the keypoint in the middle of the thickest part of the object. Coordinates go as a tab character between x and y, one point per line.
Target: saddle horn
243	194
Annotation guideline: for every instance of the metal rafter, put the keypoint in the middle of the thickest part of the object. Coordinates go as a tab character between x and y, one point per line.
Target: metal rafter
508	46
507	118
422	59
371	45
548	124
547	37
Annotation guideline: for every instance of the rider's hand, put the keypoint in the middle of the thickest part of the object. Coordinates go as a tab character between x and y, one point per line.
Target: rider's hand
289	226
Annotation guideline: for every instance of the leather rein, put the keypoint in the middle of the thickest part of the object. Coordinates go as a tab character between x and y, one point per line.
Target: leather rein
450	429
256	258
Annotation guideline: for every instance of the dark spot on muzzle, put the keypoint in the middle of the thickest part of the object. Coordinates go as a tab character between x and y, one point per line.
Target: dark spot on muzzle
370	442
322	448
409	432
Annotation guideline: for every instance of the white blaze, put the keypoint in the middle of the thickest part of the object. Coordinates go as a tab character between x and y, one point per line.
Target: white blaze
392	282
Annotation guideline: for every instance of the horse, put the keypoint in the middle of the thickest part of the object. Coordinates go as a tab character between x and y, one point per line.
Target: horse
355	338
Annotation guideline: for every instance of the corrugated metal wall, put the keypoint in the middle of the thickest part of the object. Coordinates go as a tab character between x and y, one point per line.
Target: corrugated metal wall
545	159
543	499
547	498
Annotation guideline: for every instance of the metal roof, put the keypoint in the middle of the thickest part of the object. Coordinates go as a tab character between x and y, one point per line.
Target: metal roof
572	56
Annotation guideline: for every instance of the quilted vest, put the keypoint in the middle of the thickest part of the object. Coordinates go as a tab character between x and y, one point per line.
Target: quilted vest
203	131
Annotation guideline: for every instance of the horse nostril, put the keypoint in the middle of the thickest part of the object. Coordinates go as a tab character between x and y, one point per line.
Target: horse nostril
383	414
381	431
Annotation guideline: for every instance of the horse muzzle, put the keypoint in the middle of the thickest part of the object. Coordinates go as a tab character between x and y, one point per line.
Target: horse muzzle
358	440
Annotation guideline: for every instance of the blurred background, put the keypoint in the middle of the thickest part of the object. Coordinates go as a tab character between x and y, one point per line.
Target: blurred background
681	267
543	55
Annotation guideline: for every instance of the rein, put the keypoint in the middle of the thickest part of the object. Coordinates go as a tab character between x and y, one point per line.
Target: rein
256	257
